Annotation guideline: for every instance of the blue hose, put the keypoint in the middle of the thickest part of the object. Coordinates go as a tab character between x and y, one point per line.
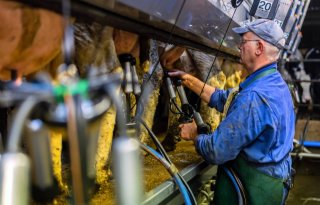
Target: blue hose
175	176
182	189
311	144
230	175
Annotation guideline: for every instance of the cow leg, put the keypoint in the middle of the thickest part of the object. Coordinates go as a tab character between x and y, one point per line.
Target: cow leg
56	150
172	137
104	146
108	121
155	82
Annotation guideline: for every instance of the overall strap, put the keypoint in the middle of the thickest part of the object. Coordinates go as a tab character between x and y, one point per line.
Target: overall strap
230	98
260	75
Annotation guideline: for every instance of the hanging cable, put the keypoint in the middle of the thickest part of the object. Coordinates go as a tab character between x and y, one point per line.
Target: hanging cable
166	44
168	41
179	111
213	63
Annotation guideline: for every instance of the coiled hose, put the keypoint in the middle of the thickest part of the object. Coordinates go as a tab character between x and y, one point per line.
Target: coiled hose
234	180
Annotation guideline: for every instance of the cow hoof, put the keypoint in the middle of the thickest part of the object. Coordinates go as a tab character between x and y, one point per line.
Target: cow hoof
169	142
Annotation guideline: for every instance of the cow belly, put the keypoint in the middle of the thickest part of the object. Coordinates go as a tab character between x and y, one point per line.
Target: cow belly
23	34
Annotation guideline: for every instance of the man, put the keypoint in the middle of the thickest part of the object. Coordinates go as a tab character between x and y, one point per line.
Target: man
254	140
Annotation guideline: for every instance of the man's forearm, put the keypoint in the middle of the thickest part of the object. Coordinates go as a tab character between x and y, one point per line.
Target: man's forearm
197	85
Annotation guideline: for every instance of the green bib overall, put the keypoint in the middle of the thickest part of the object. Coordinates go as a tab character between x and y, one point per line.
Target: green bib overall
259	188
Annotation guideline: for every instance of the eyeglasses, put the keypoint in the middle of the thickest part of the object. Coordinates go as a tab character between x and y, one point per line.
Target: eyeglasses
245	41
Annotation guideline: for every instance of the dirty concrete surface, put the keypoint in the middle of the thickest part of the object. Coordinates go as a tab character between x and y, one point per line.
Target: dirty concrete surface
306	190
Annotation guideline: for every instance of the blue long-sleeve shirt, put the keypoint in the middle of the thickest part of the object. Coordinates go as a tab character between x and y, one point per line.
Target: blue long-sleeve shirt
260	125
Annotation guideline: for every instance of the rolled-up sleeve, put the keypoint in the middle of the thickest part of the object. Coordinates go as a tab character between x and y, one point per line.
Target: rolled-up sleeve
218	99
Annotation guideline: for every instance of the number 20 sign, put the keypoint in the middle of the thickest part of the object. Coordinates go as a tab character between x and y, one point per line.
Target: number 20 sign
264	8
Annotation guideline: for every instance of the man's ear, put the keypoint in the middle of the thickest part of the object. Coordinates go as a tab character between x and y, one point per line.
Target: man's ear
260	48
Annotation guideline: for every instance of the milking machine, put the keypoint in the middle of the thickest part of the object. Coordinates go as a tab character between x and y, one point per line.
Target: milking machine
187	111
130	84
77	107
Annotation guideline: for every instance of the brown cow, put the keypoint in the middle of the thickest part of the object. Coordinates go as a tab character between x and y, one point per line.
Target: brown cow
29	38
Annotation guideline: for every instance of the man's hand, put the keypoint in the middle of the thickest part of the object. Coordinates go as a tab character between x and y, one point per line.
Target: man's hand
179	74
194	84
188	131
